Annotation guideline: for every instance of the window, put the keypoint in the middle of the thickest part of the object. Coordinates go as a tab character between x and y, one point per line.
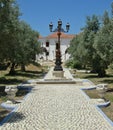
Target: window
47	44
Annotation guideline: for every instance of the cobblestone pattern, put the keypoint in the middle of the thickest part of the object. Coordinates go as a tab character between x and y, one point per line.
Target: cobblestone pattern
56	107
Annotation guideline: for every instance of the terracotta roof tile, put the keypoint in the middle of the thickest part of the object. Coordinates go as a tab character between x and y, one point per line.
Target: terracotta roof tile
63	35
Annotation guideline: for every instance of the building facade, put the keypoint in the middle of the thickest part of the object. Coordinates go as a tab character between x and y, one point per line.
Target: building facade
49	45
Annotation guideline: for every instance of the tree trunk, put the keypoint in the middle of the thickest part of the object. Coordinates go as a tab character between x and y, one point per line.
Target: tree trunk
22	67
102	73
12	70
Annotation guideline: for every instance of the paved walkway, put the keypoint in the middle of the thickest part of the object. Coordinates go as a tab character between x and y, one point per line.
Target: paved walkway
56	107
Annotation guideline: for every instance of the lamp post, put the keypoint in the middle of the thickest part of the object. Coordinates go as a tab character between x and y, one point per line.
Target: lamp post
59	29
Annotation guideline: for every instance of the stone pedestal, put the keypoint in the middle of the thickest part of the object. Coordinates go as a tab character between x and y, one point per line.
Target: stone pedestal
58	74
11	92
102	88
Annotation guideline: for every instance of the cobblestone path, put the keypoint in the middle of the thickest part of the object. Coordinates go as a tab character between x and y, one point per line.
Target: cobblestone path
56	107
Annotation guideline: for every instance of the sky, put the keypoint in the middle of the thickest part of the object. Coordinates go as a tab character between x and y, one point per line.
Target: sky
39	13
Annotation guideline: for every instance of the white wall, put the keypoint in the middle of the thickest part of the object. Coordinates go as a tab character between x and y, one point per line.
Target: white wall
64	44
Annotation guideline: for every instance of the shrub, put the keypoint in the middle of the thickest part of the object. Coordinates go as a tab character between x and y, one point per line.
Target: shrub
73	64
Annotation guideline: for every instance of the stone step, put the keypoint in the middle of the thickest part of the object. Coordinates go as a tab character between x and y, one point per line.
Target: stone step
56	81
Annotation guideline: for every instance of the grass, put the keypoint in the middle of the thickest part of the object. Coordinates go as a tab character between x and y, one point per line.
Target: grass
95	79
32	72
94	94
3	113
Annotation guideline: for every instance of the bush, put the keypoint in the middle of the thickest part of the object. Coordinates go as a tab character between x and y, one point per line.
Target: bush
77	65
73	64
69	63
2	91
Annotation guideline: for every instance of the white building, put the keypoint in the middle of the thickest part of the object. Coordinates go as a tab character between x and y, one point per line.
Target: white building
49	43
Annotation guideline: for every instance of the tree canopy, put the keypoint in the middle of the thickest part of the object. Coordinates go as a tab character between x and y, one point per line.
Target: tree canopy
94	46
18	41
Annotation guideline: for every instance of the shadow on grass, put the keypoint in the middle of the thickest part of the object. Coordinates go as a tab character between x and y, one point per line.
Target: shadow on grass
109	81
34	72
3	114
91	75
28	74
3	80
110	90
20	77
